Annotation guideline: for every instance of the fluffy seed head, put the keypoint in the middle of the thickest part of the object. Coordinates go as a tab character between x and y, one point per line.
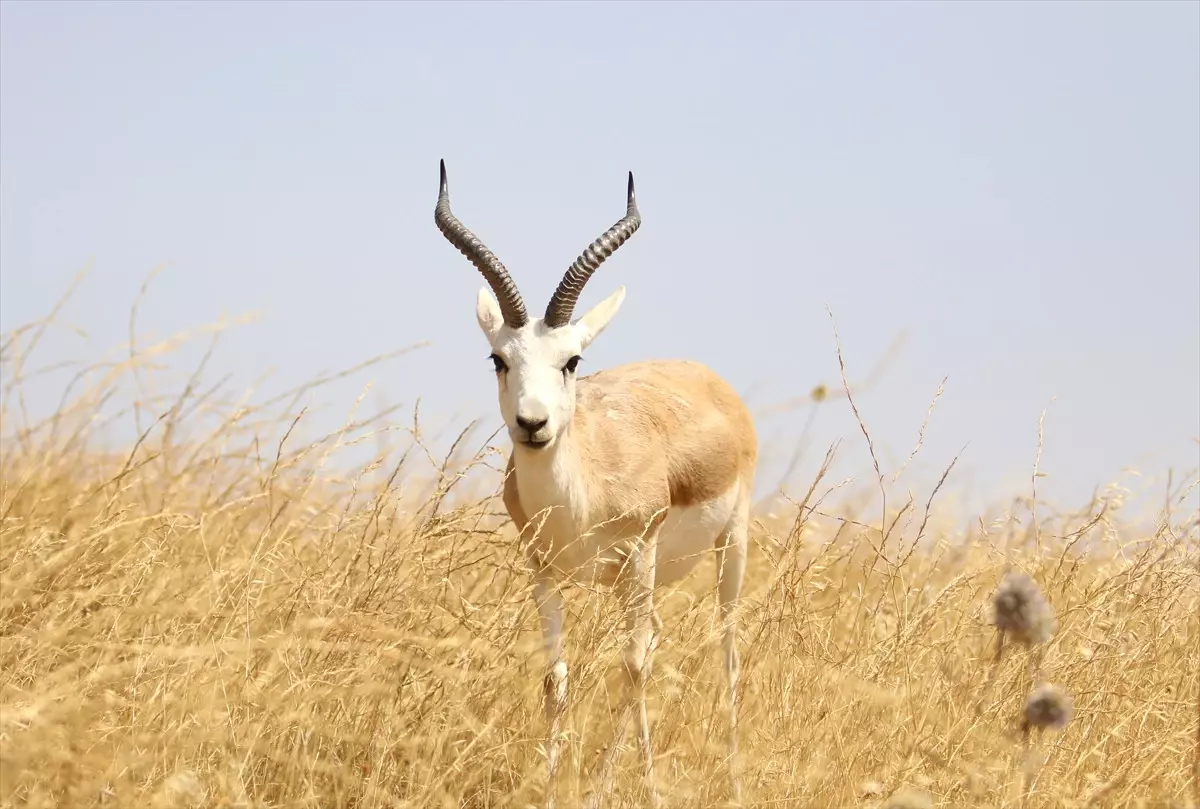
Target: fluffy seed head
1049	706
1022	610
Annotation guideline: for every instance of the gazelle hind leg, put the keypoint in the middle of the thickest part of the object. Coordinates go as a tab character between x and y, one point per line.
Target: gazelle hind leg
731	568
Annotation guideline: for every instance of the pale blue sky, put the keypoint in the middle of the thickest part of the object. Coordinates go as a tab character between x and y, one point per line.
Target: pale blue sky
1014	186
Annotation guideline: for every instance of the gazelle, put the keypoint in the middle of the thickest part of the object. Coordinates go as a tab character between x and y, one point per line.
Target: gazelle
624	478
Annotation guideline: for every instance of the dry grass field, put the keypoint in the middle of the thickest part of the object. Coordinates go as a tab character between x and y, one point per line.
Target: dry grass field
218	615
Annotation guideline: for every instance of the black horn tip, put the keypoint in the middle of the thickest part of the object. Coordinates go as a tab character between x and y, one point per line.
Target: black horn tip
630	185
442	184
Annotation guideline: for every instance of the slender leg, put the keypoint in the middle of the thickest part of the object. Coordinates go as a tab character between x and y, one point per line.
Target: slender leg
635	587
731	566
554	688
657	623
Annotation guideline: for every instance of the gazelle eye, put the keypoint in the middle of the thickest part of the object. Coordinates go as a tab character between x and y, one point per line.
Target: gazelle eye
499	363
572	364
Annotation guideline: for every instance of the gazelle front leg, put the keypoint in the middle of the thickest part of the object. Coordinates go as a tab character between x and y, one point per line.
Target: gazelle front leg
635	588
554	688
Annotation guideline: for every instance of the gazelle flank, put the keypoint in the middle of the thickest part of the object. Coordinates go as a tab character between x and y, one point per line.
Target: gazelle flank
624	478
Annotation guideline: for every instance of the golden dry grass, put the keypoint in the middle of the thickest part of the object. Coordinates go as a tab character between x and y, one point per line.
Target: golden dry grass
215	616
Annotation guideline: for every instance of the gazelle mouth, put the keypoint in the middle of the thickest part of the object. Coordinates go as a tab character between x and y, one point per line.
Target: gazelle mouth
532	444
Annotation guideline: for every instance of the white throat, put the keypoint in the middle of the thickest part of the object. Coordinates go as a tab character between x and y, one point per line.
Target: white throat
552	478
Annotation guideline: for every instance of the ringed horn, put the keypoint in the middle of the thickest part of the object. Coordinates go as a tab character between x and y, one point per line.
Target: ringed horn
562	302
507	295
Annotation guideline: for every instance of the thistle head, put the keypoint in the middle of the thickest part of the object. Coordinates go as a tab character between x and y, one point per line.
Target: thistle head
1048	707
1022	610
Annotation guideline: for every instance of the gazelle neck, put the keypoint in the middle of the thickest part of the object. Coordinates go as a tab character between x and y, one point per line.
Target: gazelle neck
552	476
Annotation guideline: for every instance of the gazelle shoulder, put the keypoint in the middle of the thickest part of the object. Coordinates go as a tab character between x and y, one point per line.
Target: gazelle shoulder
672	420
668	392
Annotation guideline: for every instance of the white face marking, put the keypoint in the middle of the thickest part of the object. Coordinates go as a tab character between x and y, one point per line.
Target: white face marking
536	384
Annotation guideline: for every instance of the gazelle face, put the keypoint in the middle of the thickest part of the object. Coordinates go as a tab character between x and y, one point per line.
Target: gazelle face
535	367
535	359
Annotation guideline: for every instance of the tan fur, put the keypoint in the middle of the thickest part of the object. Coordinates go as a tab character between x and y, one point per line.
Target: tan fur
645	437
672	421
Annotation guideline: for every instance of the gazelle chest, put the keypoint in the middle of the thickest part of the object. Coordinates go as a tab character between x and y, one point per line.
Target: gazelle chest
561	531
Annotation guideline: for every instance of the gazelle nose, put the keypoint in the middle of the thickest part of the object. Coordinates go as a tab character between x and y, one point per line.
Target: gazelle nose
531	425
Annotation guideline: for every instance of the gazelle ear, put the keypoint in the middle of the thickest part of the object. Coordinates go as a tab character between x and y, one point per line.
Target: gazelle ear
598	317
487	312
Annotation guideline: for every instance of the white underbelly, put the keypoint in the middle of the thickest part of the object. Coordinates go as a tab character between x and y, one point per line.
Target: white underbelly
687	537
689	534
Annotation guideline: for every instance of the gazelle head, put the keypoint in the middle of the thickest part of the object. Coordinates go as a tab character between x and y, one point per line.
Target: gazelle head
536	359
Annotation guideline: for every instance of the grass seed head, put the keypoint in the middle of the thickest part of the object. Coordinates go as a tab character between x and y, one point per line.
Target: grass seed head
1022	610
